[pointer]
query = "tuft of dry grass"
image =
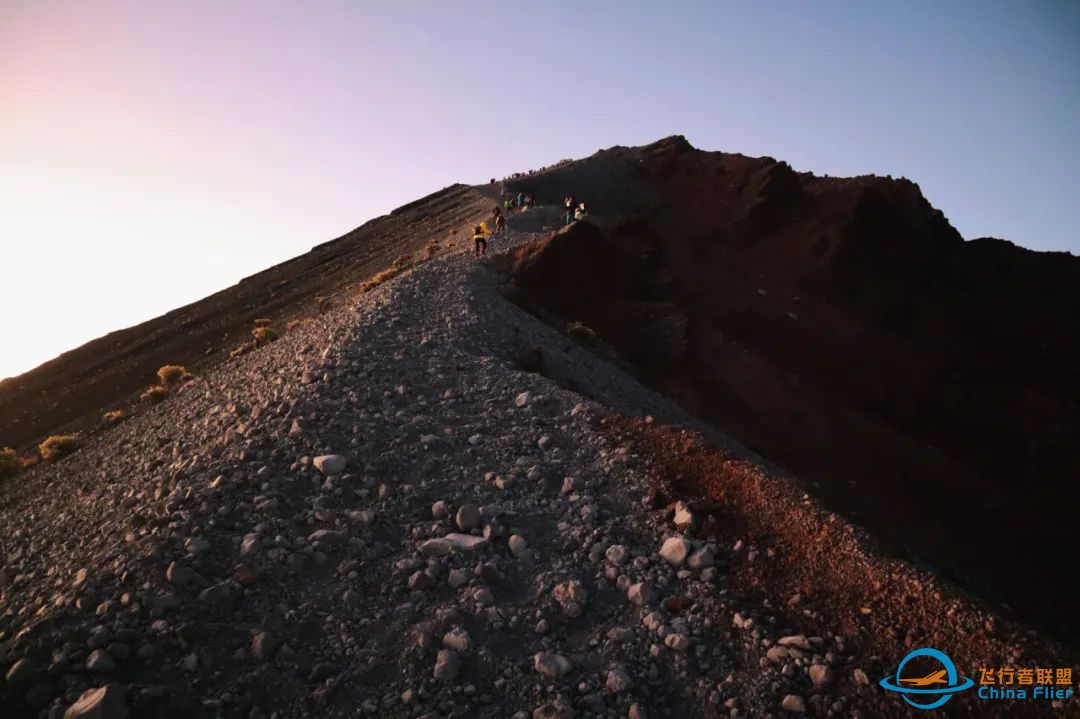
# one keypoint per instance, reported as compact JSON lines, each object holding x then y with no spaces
{"x":57,"y":446}
{"x":29,"y":461}
{"x":432,"y":248}
{"x":173,"y":375}
{"x":402,"y":262}
{"x":114,"y":416}
{"x":155,"y":393}
{"x":297,"y":323}
{"x":324,"y":304}
{"x":387,"y":274}
{"x":263,"y":335}
{"x":263,"y":322}
{"x":10,"y":465}
{"x":581,"y":332}
{"x":241,"y":350}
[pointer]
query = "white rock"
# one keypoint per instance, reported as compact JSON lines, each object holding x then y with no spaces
{"x":675,"y":549}
{"x":331,"y":464}
{"x":453,"y":542}
{"x":107,"y":702}
{"x":617,"y":554}
{"x":684,"y":518}
{"x":678,"y":642}
{"x":457,"y":639}
{"x":518,"y":545}
{"x":551,"y":665}
{"x":522,"y":400}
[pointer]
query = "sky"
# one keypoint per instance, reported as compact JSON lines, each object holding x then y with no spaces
{"x":153,"y":152}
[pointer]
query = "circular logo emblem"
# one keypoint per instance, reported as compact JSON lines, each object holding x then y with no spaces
{"x":942,"y":683}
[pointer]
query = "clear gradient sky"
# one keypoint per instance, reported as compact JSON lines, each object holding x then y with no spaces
{"x":152,"y":152}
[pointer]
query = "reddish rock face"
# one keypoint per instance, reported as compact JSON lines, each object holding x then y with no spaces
{"x":843,"y":329}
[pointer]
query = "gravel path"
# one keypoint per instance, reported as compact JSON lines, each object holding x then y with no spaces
{"x":380,"y":515}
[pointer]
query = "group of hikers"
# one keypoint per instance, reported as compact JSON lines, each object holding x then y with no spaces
{"x":521,"y":202}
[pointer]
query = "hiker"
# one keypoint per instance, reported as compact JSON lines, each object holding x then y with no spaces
{"x":521,"y":199}
{"x":580,"y":213}
{"x":500,"y":225}
{"x":508,"y":203}
{"x":480,"y":239}
{"x":569,"y":202}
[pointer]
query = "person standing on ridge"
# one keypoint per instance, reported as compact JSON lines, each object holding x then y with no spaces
{"x":569,"y":209}
{"x":480,"y":240}
{"x":500,"y":225}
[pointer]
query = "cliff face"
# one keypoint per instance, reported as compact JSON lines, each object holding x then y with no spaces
{"x":844,"y":329}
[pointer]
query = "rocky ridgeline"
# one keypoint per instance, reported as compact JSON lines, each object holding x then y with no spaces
{"x":379,"y":516}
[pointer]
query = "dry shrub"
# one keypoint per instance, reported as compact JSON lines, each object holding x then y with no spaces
{"x":155,"y":393}
{"x":242,"y":349}
{"x":263,"y":322}
{"x":324,"y":304}
{"x":173,"y":375}
{"x":387,"y":274}
{"x":29,"y":461}
{"x":114,"y":416}
{"x":264,"y":335}
{"x":402,"y":262}
{"x":9,"y":463}
{"x":581,"y":332}
{"x":297,"y":323}
{"x":432,"y":248}
{"x":58,"y":445}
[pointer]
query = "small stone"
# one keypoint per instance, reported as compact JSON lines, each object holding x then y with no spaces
{"x":551,"y":665}
{"x":641,"y":594}
{"x":329,"y":537}
{"x":439,"y":510}
{"x":458,"y":578}
{"x":517,"y":544}
{"x":107,"y":702}
{"x":618,"y":681}
{"x":678,"y":642}
{"x":620,"y":634}
{"x":702,"y":558}
{"x":453,"y":542}
{"x":544,"y":442}
{"x":793,"y":703}
{"x":637,"y":712}
{"x":468,"y":517}
{"x":420,"y":581}
{"x":447,"y":665}
{"x":178,"y":574}
{"x":572,"y":597}
{"x":797,"y":641}
{"x":674,"y":550}
{"x":820,"y":675}
{"x":331,"y":464}
{"x":190,"y":662}
{"x":100,"y":661}
{"x":249,"y":545}
{"x":457,"y":639}
{"x":684,"y":518}
{"x":263,"y":647}
{"x":617,"y":554}
{"x":217,"y":594}
{"x":860,"y":677}
{"x":522,"y":400}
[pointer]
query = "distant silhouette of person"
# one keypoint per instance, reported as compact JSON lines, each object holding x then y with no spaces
{"x":500,"y":225}
{"x":569,"y":202}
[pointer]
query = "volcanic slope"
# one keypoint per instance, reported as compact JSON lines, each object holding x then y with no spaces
{"x":71,"y":392}
{"x":383,"y":514}
{"x":927,"y":387}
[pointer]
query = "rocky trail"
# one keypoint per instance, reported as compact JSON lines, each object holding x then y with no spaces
{"x":386,"y":514}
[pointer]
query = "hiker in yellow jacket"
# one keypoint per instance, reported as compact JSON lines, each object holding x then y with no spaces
{"x":481,"y":233}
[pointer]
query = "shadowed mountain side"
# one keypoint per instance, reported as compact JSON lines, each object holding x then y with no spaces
{"x":842,"y":328}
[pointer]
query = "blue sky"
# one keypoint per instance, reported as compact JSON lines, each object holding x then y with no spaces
{"x":216,"y":139}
